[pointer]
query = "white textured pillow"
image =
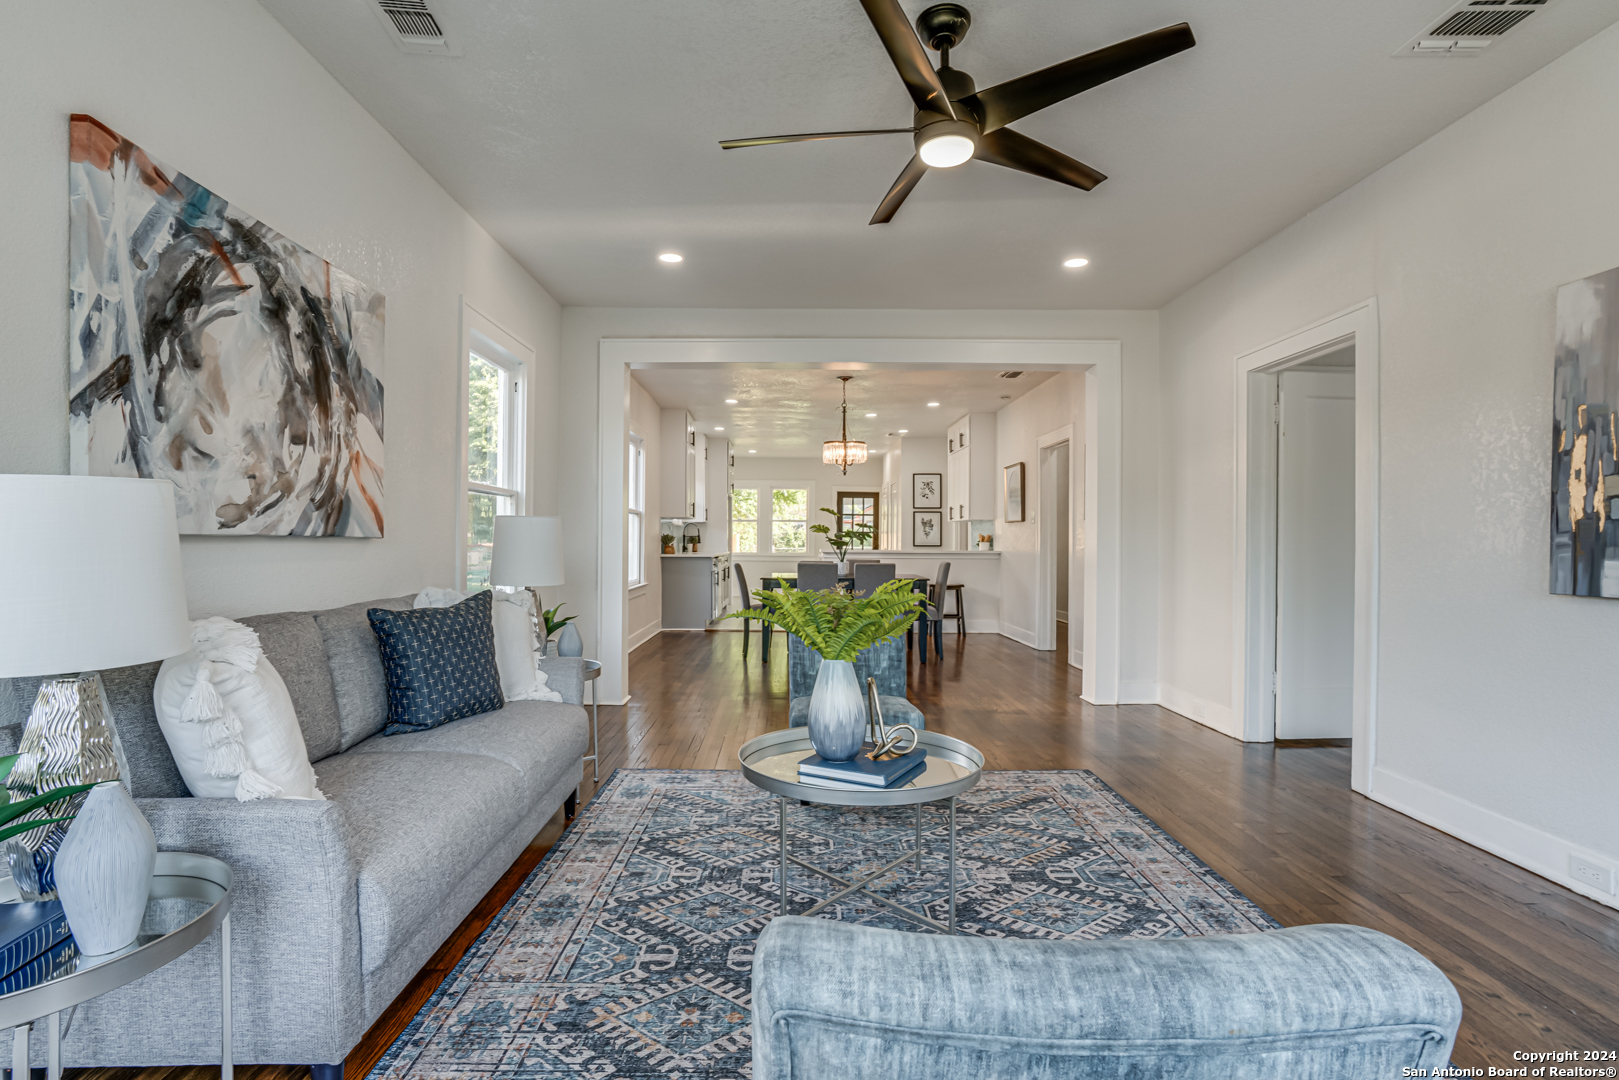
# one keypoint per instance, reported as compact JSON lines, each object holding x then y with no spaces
{"x":512,"y":614}
{"x":229,"y":721}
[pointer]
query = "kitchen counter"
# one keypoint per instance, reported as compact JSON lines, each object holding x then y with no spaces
{"x":696,"y":588}
{"x":694,"y":555}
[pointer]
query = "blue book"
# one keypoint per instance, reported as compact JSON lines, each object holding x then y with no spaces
{"x":899,"y":781}
{"x":27,"y":930}
{"x":862,"y":770}
{"x":59,"y":960}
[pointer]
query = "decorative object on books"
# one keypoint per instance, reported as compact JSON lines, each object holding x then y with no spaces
{"x":927,"y":491}
{"x":229,"y":721}
{"x":207,"y":349}
{"x":886,"y":742}
{"x":528,"y":555}
{"x":847,"y":536}
{"x":104,"y":870}
{"x":439,"y":663}
{"x":516,"y":647}
{"x":927,"y":528}
{"x":90,"y":569}
{"x":623,"y":969}
{"x":838,"y":625}
{"x":1013,"y":476}
{"x":1585,"y":400}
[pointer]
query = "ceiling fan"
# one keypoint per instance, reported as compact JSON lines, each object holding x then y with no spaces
{"x":956,"y":122}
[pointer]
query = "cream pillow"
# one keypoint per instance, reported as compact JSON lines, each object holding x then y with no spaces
{"x":512,"y":614}
{"x":229,"y":721}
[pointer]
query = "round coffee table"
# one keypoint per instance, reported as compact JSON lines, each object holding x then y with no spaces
{"x":771,"y":762}
{"x":202,"y":886}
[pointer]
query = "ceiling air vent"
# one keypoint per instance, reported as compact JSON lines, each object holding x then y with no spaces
{"x":1470,"y":27}
{"x":1009,"y":374}
{"x":414,"y":27}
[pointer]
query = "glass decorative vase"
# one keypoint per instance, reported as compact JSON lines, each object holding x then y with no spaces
{"x":837,"y":711}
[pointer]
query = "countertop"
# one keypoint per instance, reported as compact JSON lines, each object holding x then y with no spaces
{"x":696,"y":555}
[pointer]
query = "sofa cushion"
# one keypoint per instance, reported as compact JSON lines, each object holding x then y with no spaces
{"x":356,"y":667}
{"x":440,"y":663}
{"x":293,"y":644}
{"x":415,"y":823}
{"x":540,"y":739}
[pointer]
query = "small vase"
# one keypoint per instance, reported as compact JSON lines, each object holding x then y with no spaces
{"x":837,"y":711}
{"x":843,"y":568}
{"x":568,"y":642}
{"x":104,"y":870}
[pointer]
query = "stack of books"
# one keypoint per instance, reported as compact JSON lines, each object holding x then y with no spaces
{"x":36,"y":944}
{"x":862,"y":774}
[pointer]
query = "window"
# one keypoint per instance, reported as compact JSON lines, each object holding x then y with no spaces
{"x":745,"y":520}
{"x":858,"y":508}
{"x":789,"y":520}
{"x":635,"y":530}
{"x":494,"y":447}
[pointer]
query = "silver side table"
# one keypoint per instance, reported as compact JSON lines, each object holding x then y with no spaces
{"x":771,"y":762}
{"x":170,"y":930}
{"x":592,"y":671}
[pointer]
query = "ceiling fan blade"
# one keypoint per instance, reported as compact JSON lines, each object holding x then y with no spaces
{"x":1013,"y":151}
{"x":770,"y":140}
{"x":1007,"y":101}
{"x":905,"y":50}
{"x":902,"y":187}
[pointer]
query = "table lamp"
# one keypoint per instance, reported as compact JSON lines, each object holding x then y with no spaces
{"x":528,"y":555}
{"x":90,"y":572}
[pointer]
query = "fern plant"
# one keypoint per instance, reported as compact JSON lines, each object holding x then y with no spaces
{"x":835,"y":623}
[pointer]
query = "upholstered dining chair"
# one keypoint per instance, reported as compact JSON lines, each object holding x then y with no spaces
{"x":814,"y":576}
{"x":869,"y":575}
{"x":938,"y":589}
{"x":747,"y":605}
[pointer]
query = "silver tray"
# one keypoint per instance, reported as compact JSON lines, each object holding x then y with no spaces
{"x":771,"y":762}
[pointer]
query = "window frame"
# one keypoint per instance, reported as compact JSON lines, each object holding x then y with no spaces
{"x":809,"y":508}
{"x":876,"y":498}
{"x":485,"y":340}
{"x":635,"y":512}
{"x":758,"y":504}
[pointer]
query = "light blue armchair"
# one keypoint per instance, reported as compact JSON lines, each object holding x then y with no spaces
{"x":884,"y":662}
{"x":834,"y":1001}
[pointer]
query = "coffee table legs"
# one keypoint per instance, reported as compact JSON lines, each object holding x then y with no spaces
{"x":781,"y":809}
{"x":952,"y":864}
{"x":919,"y":837}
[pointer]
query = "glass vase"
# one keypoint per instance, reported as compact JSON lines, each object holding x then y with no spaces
{"x":837,"y":711}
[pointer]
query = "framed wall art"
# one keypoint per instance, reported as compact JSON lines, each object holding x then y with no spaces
{"x":927,"y":528}
{"x":1585,"y":401}
{"x":927,"y":490}
{"x":1014,"y":492}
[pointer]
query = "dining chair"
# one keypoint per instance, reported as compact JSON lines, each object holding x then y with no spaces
{"x":747,"y":605}
{"x":938,"y":589}
{"x":813,"y":576}
{"x":869,"y":575}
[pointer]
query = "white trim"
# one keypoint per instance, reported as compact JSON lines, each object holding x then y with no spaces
{"x":645,"y":634}
{"x":1102,"y":362}
{"x":1253,"y":632}
{"x":517,"y":356}
{"x":1209,"y":713}
{"x":1045,"y":564}
{"x":1531,"y":848}
{"x":1018,"y":634}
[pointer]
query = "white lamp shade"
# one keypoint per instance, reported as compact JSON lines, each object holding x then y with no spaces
{"x":89,"y":574}
{"x":528,"y":552}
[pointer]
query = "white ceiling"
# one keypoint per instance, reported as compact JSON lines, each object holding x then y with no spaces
{"x":583,"y":136}
{"x":788,"y":411}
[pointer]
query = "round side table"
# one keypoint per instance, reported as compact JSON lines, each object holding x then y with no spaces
{"x":203,"y":884}
{"x":592,"y":671}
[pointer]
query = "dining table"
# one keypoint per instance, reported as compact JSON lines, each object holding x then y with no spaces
{"x":919,"y":583}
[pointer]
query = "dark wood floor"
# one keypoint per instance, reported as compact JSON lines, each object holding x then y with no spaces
{"x":1537,"y":966}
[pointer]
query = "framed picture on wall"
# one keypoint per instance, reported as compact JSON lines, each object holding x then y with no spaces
{"x":1014,"y":492}
{"x":927,"y":490}
{"x":927,"y":528}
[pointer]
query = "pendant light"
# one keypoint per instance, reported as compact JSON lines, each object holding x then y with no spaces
{"x":841,"y":452}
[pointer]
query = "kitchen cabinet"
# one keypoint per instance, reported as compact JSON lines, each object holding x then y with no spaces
{"x":678,"y":464}
{"x":696,"y":590}
{"x":970,"y":483}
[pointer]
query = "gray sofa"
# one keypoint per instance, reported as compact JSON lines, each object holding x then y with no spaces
{"x":337,"y":904}
{"x":834,"y":1001}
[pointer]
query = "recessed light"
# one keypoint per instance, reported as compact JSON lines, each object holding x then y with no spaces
{"x":933,"y":404}
{"x":671,"y":257}
{"x":904,"y":431}
{"x":870,"y":415}
{"x":1075,"y":264}
{"x":753,"y":451}
{"x":730,"y":401}
{"x":719,"y":429}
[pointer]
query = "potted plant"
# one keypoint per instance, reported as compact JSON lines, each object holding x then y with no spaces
{"x":668,"y":543}
{"x":845,"y":538}
{"x":838,"y":625}
{"x":567,"y":637}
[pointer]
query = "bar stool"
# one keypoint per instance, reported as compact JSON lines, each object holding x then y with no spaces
{"x":960,"y":614}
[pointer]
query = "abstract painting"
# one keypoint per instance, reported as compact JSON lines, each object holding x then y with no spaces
{"x":1585,"y":458}
{"x":927,"y":528}
{"x":1014,"y":492}
{"x":211,"y":351}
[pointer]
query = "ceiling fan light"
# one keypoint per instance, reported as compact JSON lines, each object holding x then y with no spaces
{"x":945,"y":144}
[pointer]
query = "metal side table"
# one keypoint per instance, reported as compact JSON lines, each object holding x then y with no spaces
{"x":771,"y":762}
{"x":592,"y":671}
{"x":204,"y":884}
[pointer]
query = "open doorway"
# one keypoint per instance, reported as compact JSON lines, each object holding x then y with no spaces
{"x":1052,"y":580}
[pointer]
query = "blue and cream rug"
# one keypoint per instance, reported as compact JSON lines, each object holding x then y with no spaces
{"x":627,"y":951}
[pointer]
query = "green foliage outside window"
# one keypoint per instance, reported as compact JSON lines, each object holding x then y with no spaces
{"x":483,"y":422}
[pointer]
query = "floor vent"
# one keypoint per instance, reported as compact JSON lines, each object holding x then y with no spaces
{"x":414,"y":28}
{"x":1471,"y":27}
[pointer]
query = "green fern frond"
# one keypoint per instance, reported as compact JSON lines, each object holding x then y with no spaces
{"x":834,"y":623}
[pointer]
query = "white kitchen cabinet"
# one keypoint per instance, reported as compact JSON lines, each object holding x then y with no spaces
{"x":970,"y":483}
{"x":678,"y":464}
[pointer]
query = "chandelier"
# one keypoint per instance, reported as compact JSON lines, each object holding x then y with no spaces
{"x":841,"y":452}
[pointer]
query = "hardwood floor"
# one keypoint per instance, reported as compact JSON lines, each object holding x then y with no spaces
{"x":1536,"y":965}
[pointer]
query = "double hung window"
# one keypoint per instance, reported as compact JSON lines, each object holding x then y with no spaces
{"x":635,"y":527}
{"x":495,"y":450}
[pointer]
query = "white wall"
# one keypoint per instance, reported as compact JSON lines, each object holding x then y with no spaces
{"x":218,"y":90}
{"x":644,"y":418}
{"x":923,"y":455}
{"x":1495,"y":700}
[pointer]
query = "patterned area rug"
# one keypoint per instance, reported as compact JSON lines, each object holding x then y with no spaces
{"x":627,"y":951}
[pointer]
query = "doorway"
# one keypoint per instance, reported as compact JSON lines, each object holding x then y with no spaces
{"x":1059,"y":590}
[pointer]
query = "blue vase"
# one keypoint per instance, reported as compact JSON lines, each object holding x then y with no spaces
{"x":837,"y":711}
{"x":569,"y":643}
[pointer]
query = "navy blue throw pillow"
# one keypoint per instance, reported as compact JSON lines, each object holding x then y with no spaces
{"x":439,"y":662}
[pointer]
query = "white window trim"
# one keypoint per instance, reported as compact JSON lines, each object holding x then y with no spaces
{"x":730,"y":534}
{"x":483,"y":336}
{"x":635,"y":461}
{"x":767,"y":518}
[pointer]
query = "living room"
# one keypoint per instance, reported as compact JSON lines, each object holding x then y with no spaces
{"x":1291,"y":186}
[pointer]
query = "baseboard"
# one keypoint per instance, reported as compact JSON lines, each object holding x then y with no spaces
{"x":1533,"y":849}
{"x":1018,"y":634}
{"x":645,"y":634}
{"x":1138,"y":692}
{"x":1207,"y":713}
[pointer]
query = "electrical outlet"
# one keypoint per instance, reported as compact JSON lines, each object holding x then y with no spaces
{"x":1586,"y":872}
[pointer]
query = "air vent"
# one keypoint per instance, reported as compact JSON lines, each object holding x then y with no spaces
{"x":1010,"y":374}
{"x":1470,"y":27}
{"x":414,"y":27}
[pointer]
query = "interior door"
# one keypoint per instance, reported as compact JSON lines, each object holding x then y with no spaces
{"x":1315,"y":555}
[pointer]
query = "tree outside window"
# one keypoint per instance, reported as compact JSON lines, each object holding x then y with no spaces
{"x":789,"y":520}
{"x":745,"y":520}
